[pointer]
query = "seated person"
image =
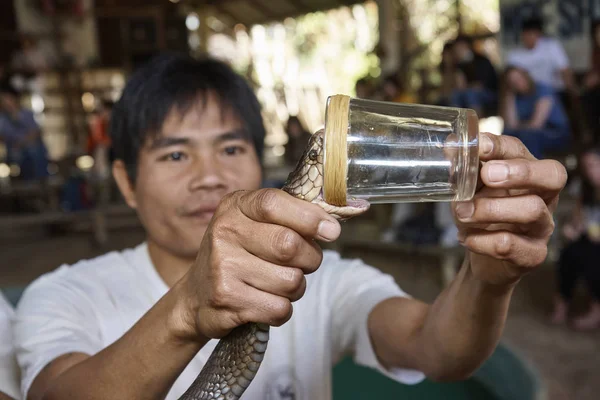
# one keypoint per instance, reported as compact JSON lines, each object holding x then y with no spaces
{"x":579,"y":259}
{"x":533,"y":113}
{"x":478,"y":84}
{"x":221,"y":252}
{"x":22,"y":136}
{"x":9,"y":370}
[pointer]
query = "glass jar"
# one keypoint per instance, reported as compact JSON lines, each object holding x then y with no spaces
{"x":394,"y":152}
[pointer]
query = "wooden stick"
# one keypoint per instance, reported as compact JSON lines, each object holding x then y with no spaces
{"x":335,"y":162}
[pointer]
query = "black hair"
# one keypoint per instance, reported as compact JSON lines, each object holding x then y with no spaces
{"x":7,"y":87}
{"x":173,"y":81}
{"x":463,"y":38}
{"x":534,"y":23}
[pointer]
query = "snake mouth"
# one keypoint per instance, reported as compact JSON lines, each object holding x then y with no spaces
{"x":353,"y":207}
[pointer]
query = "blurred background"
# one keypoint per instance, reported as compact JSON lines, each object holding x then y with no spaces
{"x":63,"y":63}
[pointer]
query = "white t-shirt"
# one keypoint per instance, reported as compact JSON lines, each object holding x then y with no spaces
{"x":9,"y":371}
{"x":87,"y":306}
{"x":544,"y":62}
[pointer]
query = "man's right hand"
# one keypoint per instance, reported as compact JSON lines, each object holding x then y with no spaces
{"x":252,"y":262}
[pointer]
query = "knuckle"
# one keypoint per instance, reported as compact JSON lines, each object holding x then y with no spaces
{"x":286,"y":244}
{"x":540,"y":256}
{"x":521,"y":170}
{"x":222,"y":294}
{"x":281,"y":312}
{"x":313,"y":266}
{"x":561,"y":174}
{"x":267,"y":204}
{"x":294,"y":281}
{"x":504,"y":244}
{"x":489,"y":208}
{"x":537,"y":208}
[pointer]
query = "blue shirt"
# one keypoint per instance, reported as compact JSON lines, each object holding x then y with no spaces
{"x":12,"y":130}
{"x":525,"y":106}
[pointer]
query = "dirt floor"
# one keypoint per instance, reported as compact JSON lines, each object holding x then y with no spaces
{"x":567,"y":361}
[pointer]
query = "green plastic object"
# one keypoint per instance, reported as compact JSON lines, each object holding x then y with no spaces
{"x":504,"y":376}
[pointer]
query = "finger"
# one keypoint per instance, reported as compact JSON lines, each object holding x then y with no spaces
{"x":499,"y":147}
{"x":545,"y":175}
{"x":508,"y":246}
{"x":279,"y":245}
{"x":278,"y":207}
{"x":530,"y":211}
{"x":262,"y":307}
{"x":281,"y":281}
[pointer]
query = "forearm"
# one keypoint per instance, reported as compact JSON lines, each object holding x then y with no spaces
{"x":4,"y":396}
{"x":463,"y":326}
{"x":510,"y":115}
{"x":143,"y":364}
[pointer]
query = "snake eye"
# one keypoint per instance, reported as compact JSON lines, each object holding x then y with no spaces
{"x":313,"y":155}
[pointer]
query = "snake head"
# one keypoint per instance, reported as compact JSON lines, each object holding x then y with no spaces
{"x":306,"y":181}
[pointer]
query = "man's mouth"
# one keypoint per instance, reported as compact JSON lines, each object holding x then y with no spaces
{"x":201,"y":214}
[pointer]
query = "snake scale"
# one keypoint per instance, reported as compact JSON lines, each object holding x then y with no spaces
{"x":237,"y":357}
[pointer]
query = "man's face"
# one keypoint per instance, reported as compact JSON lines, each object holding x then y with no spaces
{"x":8,"y":102}
{"x":517,"y":81}
{"x":460,"y":50}
{"x":530,"y":38}
{"x":186,"y":170}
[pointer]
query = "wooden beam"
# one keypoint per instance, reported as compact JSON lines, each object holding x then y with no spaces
{"x":262,"y":9}
{"x":300,"y":6}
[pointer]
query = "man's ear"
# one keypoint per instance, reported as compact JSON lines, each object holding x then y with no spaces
{"x":119,"y":171}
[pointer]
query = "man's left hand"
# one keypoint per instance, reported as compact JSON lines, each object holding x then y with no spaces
{"x":507,"y":225}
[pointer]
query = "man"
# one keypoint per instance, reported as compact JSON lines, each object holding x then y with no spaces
{"x":9,"y":370}
{"x":478,"y":86}
{"x":22,"y":136}
{"x":221,"y":252}
{"x":543,"y":57}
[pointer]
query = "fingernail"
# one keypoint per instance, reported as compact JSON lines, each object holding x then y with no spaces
{"x":465,"y":210}
{"x":328,"y":230}
{"x":498,"y":172}
{"x":461,"y":237}
{"x":486,"y":144}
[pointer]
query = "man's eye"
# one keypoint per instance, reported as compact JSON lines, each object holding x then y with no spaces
{"x":174,"y":156}
{"x":233,"y":150}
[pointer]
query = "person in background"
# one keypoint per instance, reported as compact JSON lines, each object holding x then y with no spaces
{"x":544,"y":58}
{"x":22,"y":136}
{"x":477,"y":87}
{"x":393,"y":90}
{"x":298,"y":138}
{"x":363,"y":88}
{"x":579,"y":259}
{"x":450,"y":75}
{"x":99,"y":143}
{"x":590,"y":96}
{"x":533,"y":113}
{"x":9,"y":370}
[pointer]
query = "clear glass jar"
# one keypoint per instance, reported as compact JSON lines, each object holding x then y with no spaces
{"x":406,"y":152}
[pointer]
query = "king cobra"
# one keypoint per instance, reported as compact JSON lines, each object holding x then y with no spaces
{"x":237,"y":357}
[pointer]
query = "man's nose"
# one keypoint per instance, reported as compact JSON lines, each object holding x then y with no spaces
{"x":207,"y":174}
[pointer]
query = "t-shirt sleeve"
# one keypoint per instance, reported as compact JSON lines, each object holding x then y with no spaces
{"x":357,"y":289}
{"x":559,"y":55}
{"x":54,"y":317}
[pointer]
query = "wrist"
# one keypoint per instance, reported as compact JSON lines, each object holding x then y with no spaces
{"x":181,"y":321}
{"x":495,"y":287}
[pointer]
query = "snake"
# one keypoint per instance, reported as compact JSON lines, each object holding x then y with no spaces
{"x":235,"y":361}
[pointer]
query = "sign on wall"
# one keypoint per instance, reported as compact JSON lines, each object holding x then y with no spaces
{"x":567,"y":20}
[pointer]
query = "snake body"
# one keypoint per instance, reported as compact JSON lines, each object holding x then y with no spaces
{"x":237,"y":357}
